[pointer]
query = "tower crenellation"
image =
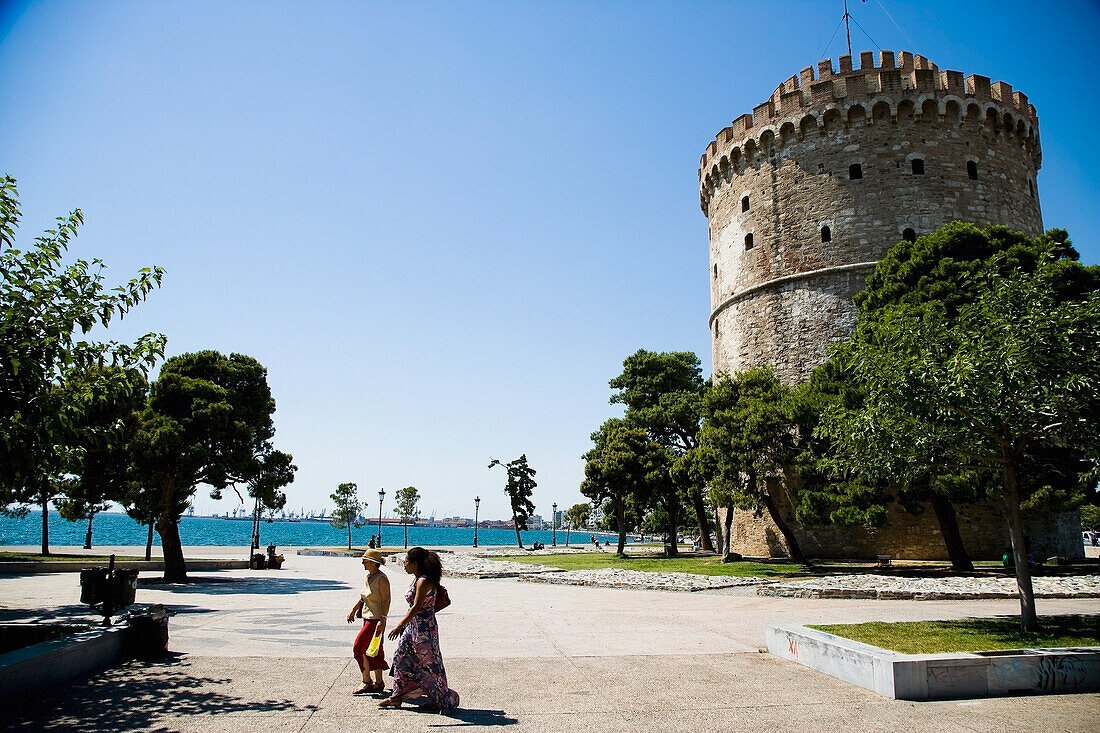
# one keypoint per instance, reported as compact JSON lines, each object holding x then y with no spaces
{"x":803,"y":197}
{"x":805,"y":194}
{"x":904,"y":77}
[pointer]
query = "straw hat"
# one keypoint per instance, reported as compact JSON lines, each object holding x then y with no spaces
{"x":375,"y":557}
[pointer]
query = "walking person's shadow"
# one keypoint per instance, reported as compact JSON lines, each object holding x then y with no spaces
{"x":471,"y":716}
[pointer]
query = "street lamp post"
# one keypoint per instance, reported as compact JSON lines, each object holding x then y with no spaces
{"x":381,"y":496}
{"x":554,"y":524}
{"x":477,"y":504}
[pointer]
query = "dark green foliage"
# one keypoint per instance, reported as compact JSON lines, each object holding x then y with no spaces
{"x":1090,"y":517}
{"x":747,"y":443}
{"x":1001,"y":377}
{"x":828,"y":494}
{"x":663,"y":395}
{"x":519,"y":488}
{"x":629,"y":471}
{"x":944,"y":267}
{"x":407,"y":499}
{"x":348,"y":508}
{"x":270,"y":471}
{"x":105,"y":409}
{"x":207,"y":421}
{"x":46,"y":306}
{"x":577,"y":515}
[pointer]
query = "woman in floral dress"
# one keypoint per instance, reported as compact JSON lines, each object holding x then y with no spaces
{"x":417,"y":664}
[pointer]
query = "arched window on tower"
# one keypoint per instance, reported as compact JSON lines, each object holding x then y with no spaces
{"x":744,"y":203}
{"x":972,"y":170}
{"x":826,"y":234}
{"x":909,"y":235}
{"x":748,"y":241}
{"x":855,"y":172}
{"x":918,"y":166}
{"x":1031,"y":188}
{"x":716,"y":272}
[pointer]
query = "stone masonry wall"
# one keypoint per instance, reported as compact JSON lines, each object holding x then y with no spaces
{"x":782,"y":177}
{"x":796,"y":227}
{"x":909,"y":536}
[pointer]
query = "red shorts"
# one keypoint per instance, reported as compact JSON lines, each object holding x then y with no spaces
{"x":362,"y":641}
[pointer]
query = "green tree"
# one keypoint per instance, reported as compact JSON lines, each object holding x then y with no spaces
{"x":271,"y":470}
{"x":663,"y":395}
{"x":748,"y":442}
{"x":521,"y":484}
{"x":99,"y":438}
{"x":348,"y":508}
{"x":407,"y":499}
{"x":987,"y":384}
{"x":722,"y":488}
{"x":207,"y":418}
{"x":624,"y":471}
{"x":1090,"y":517}
{"x":577,"y":515}
{"x":141,"y":502}
{"x":46,"y":306}
{"x":942,"y":269}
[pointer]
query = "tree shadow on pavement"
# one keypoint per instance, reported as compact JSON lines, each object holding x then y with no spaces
{"x":72,"y":613}
{"x":77,"y":613}
{"x":149,"y":696}
{"x":266,"y":585}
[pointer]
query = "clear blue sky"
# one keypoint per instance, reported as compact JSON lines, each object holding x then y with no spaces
{"x":442,"y":226}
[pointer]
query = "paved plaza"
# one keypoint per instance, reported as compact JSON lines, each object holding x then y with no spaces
{"x":270,"y":651}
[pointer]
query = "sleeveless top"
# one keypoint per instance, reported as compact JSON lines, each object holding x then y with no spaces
{"x":429,"y":599}
{"x":372,"y":598}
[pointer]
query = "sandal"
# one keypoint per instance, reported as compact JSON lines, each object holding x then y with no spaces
{"x":395,"y":702}
{"x":370,"y":688}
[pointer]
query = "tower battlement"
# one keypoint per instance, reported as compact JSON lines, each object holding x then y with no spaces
{"x":803,"y":197}
{"x":900,"y":87}
{"x":805,"y":194}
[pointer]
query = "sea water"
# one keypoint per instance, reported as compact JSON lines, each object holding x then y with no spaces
{"x":120,"y":529}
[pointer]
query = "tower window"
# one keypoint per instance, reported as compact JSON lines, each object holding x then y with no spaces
{"x":918,"y":167}
{"x":972,"y":170}
{"x":909,"y":235}
{"x":745,"y":203}
{"x":716,"y":272}
{"x":855,"y":172}
{"x":748,"y":241}
{"x":1031,"y":189}
{"x":826,"y":234}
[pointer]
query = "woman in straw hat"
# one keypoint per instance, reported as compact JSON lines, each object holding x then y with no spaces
{"x":373,"y":607}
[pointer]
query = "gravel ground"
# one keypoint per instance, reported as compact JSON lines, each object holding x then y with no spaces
{"x":889,"y":587}
{"x":468,"y":565}
{"x":637,"y":579}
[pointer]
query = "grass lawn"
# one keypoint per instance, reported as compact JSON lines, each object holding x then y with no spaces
{"x":697,"y":564}
{"x":971,"y":634}
{"x":58,"y":557}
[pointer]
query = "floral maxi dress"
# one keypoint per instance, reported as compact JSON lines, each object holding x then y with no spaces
{"x":417,"y":661}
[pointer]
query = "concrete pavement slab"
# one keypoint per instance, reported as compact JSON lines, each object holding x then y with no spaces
{"x":270,"y":650}
{"x":748,"y":691}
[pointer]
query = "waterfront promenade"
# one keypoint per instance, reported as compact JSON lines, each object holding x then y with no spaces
{"x":270,"y":651}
